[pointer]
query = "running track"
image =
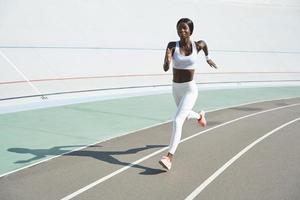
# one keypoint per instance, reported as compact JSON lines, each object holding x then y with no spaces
{"x":245,"y":152}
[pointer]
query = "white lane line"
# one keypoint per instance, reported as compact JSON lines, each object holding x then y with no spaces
{"x":91,"y":185}
{"x":74,"y":194}
{"x":210,"y":179}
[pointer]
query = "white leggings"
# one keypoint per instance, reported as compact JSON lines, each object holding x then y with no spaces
{"x":185,"y":95}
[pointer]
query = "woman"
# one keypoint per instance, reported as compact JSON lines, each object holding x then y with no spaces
{"x":183,"y":56}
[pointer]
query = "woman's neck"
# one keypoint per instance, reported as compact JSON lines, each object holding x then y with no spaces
{"x":185,"y":42}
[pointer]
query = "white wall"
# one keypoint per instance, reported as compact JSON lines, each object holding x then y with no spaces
{"x":72,"y":45}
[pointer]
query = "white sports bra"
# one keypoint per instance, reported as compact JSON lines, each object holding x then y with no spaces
{"x":184,"y":62}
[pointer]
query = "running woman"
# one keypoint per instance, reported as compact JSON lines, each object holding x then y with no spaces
{"x":182,"y":54}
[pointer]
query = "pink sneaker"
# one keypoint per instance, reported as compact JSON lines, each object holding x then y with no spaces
{"x":165,"y":162}
{"x":202,"y":120}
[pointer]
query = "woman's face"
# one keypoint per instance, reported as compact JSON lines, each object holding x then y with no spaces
{"x":183,"y":30}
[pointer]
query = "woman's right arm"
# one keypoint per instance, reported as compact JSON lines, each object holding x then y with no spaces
{"x":168,"y":56}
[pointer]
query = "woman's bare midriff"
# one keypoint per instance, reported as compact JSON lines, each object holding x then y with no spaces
{"x":183,"y":75}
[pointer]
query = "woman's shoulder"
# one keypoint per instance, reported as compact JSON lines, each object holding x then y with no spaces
{"x":200,"y":44}
{"x":172,"y":44}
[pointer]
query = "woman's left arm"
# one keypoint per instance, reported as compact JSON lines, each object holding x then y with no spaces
{"x":201,"y":45}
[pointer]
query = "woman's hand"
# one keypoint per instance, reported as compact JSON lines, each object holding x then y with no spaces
{"x":211,"y":63}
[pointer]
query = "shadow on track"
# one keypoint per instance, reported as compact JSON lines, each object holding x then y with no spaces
{"x":105,"y":156}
